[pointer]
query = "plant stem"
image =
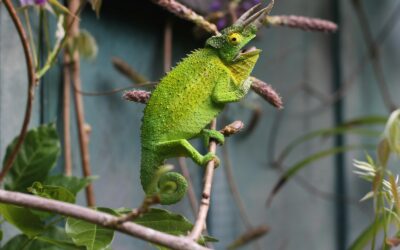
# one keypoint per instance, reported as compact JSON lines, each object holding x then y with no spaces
{"x":191,"y":194}
{"x":186,"y":13}
{"x":144,"y":208}
{"x":206,"y":195}
{"x":31,"y":38}
{"x":67,"y":116}
{"x":31,"y":88}
{"x":98,"y":218}
{"x":74,"y":6}
{"x":167,"y":45}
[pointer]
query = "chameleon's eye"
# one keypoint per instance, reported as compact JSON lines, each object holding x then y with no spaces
{"x":235,"y":38}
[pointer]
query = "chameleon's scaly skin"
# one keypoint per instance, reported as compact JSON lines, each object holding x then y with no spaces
{"x":186,"y":100}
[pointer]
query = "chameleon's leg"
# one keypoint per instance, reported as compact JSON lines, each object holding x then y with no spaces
{"x":228,"y":91}
{"x":183,"y":148}
{"x":208,"y":134}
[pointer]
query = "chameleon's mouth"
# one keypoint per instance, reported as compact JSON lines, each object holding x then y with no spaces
{"x":250,"y":51}
{"x":247,"y":53}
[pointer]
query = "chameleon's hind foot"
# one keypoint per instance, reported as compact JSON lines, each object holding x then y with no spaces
{"x":211,"y":157}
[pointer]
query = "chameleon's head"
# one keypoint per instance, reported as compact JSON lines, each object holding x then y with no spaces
{"x":231,"y":41}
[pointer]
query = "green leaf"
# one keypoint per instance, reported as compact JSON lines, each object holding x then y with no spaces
{"x":86,"y":45}
{"x":168,"y":222}
{"x":347,"y":127}
{"x":368,"y":234}
{"x":72,"y":183}
{"x":165,"y":221}
{"x":37,"y":156}
{"x":59,"y":6}
{"x":392,"y":132}
{"x":92,"y":236}
{"x":52,"y":192}
{"x":23,"y":219}
{"x":56,"y":236}
{"x":21,"y":241}
{"x":294,"y":169}
{"x":54,"y":241}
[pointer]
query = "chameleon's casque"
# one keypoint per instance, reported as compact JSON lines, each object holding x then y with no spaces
{"x":190,"y":96}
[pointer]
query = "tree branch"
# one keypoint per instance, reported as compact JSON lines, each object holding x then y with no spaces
{"x":98,"y":218}
{"x":31,"y":88}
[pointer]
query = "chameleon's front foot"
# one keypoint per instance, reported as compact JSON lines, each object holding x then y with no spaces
{"x":211,"y":157}
{"x":212,"y":134}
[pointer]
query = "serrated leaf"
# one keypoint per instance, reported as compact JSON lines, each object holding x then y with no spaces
{"x":37,"y":156}
{"x":92,"y":236}
{"x":86,"y":45}
{"x":23,"y":219}
{"x":72,"y":183}
{"x":52,"y":192}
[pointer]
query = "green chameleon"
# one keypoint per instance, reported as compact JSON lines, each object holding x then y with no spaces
{"x":190,"y":96}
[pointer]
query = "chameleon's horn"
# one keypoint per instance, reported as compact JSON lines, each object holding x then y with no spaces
{"x":259,"y":17}
{"x":247,"y":14}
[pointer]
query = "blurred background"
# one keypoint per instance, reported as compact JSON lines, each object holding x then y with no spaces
{"x":324,"y":80}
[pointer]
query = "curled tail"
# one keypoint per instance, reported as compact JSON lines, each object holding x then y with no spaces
{"x":171,"y":186}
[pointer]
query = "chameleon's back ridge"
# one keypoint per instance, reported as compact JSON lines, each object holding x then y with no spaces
{"x":189,"y":97}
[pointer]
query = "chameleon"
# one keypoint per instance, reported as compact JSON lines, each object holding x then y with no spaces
{"x":190,"y":96}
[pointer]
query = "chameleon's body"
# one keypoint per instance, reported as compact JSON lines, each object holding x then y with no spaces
{"x":187,"y":99}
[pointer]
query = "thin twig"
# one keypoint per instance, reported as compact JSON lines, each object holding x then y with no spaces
{"x":79,"y":109}
{"x":31,"y":88}
{"x":249,"y":236}
{"x":373,"y":50}
{"x":191,"y":193}
{"x":302,"y":22}
{"x":186,"y":13}
{"x":236,"y":196}
{"x":98,"y":218}
{"x":124,"y":68}
{"x":167,"y":45}
{"x":144,"y":208}
{"x":67,"y":116}
{"x":113,"y":91}
{"x":234,"y":189}
{"x":206,"y":195}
